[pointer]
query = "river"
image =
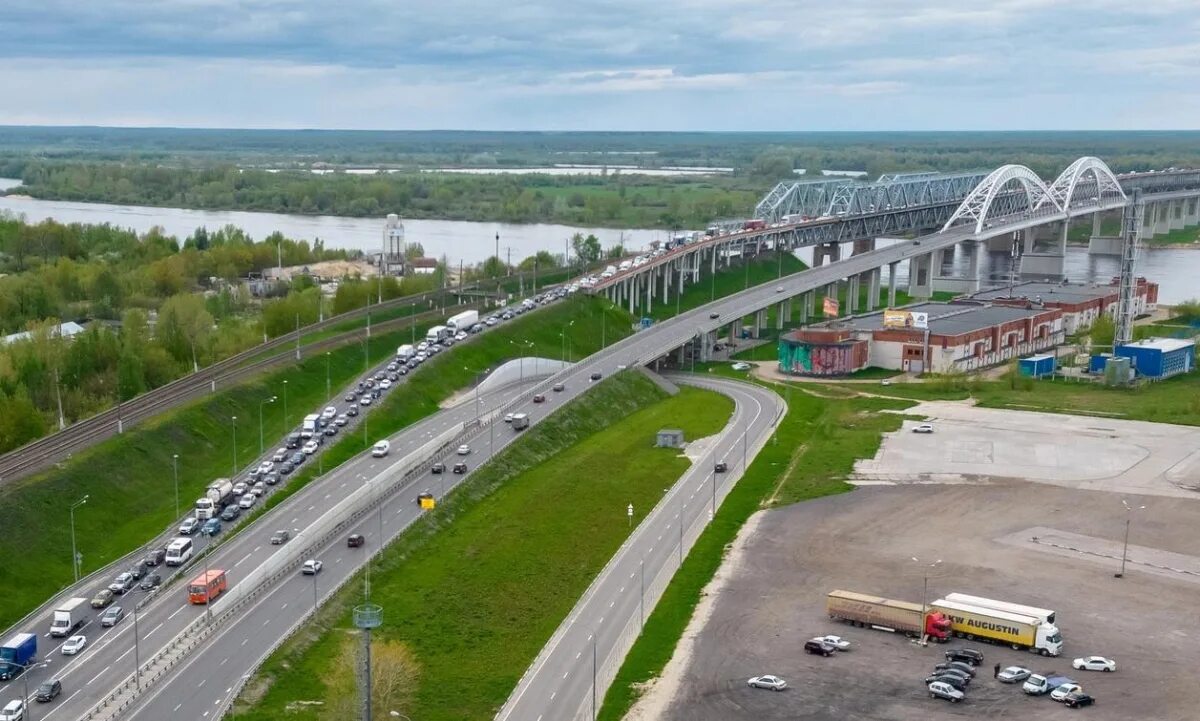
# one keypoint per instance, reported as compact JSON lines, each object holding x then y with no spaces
{"x":1174,"y":269}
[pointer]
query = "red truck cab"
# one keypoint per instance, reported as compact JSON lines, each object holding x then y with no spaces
{"x":937,"y":626}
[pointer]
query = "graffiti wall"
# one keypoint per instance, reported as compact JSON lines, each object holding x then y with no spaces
{"x":821,"y":359}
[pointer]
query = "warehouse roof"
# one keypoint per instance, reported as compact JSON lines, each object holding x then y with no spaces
{"x":944,"y":318}
{"x":1166,"y":345}
{"x":1049,"y":292}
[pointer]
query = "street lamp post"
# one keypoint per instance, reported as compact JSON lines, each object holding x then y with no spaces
{"x":261,"y":405}
{"x":925,"y":591}
{"x":175,"y":470}
{"x":1125,"y":548}
{"x":234,"y":445}
{"x":74,"y":552}
{"x":328,"y":391}
{"x":285,"y":413}
{"x":137,"y":661}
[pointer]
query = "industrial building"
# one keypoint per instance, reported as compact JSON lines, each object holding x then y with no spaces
{"x":1080,"y":304}
{"x":1159,"y":358}
{"x":941,"y":337}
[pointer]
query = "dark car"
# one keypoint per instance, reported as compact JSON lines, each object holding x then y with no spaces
{"x":969,"y":655}
{"x":376,"y":393}
{"x":424,"y":496}
{"x":720,"y":467}
{"x":352,"y":411}
{"x":298,"y":457}
{"x":331,"y":431}
{"x":963,"y":666}
{"x":271,"y":478}
{"x":817,"y":647}
{"x":957,"y":673}
{"x":954,"y":680}
{"x":539,"y":398}
{"x":355,"y":540}
{"x":231,"y":512}
{"x":460,"y":467}
{"x":137,"y":571}
{"x":438,"y":467}
{"x":294,"y":440}
{"x":714,"y":316}
{"x":1078,"y":699}
{"x":211,"y":527}
{"x":280,"y":537}
{"x":286,"y":467}
{"x":351,"y":397}
{"x":596,"y":376}
{"x":394,"y":376}
{"x":152,"y":581}
{"x":155,"y":557}
{"x":48,"y":691}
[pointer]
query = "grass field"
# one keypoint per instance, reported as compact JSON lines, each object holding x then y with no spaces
{"x":814,"y":448}
{"x":728,"y":281}
{"x":480,"y":596}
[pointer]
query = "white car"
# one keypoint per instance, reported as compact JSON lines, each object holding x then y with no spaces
{"x":774,"y":683}
{"x":329,"y":412}
{"x":74,"y":645}
{"x":266,"y":467}
{"x":247,"y":500}
{"x":310,"y":448}
{"x":460,"y":336}
{"x":923,"y":428}
{"x":1094,"y":663}
{"x":508,"y":417}
{"x":13,"y":711}
{"x":280,"y":455}
{"x":311,"y":567}
{"x":741,"y":366}
{"x":385,"y":383}
{"x":1060,"y":694}
{"x":1013,"y":674}
{"x":464,"y":450}
{"x":837,"y":642}
{"x":941,"y":689}
{"x":365,"y":401}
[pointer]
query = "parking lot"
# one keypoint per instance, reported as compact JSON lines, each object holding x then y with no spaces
{"x":773,"y":599}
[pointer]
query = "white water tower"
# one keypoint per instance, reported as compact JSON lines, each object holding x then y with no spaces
{"x":392,"y":258}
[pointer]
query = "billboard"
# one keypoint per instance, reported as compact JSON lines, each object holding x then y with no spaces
{"x":905,"y":319}
{"x":830,"y":307}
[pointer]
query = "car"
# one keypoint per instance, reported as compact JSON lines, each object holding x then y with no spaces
{"x":259,"y":489}
{"x":1078,"y":699}
{"x":1094,"y":663}
{"x":341,"y":420}
{"x":741,"y":366}
{"x":286,"y":468}
{"x":280,"y":537}
{"x":247,"y":501}
{"x":1060,"y":694}
{"x":74,"y":645}
{"x":774,"y":683}
{"x":350,"y":397}
{"x":508,"y":417}
{"x":460,"y":468}
{"x":1013,"y":674}
{"x":539,"y":398}
{"x":966,"y":678}
{"x":297,"y":458}
{"x":211,"y":527}
{"x":941,"y":689}
{"x":253,"y":474}
{"x":13,"y":711}
{"x":837,"y":642}
{"x":460,"y":336}
{"x":779,"y":289}
{"x":714,"y":316}
{"x":328,"y":412}
{"x":954,"y":680}
{"x":231,"y":513}
{"x":293,"y":440}
{"x":190,"y":525}
{"x":720,"y":467}
{"x":365,"y":401}
{"x":266,"y":467}
{"x":463,"y":450}
{"x":352,"y":411}
{"x":331,"y":431}
{"x":271,"y":478}
{"x":819,"y":648}
{"x":969,"y":655}
{"x":558,"y":388}
{"x":376,"y":394}
{"x":112,"y":616}
{"x":48,"y":690}
{"x":963,"y":666}
{"x":596,"y":376}
{"x":423,"y":496}
{"x":391,"y":366}
{"x":311,"y":567}
{"x":385,"y":383}
{"x":403,"y":370}
{"x":280,"y":455}
{"x":155,"y":557}
{"x":121,"y":583}
{"x":885,"y":382}
{"x":240,"y":488}
{"x":311,"y":447}
{"x":923,"y":428}
{"x":438,"y":467}
{"x":151,"y":581}
{"x":355,"y":540}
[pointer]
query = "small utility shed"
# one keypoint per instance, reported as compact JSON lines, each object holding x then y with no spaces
{"x":669,"y":438}
{"x":1159,"y":357}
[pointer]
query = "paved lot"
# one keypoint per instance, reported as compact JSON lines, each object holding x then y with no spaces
{"x":774,"y":599}
{"x":972,"y":445}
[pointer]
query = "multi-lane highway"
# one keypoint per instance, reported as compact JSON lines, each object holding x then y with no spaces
{"x":591,"y":643}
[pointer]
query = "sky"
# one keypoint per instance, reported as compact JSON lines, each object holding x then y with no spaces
{"x":603,"y":64}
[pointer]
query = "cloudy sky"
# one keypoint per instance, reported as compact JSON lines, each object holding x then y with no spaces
{"x":603,"y":64}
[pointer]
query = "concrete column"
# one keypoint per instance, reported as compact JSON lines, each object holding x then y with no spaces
{"x":810,"y":303}
{"x":892,"y":284}
{"x":631,"y":292}
{"x":779,"y":315}
{"x":1175,"y":214}
{"x":1162,"y":218}
{"x":920,"y":276}
{"x":682,"y":357}
{"x":851,"y":295}
{"x":873,"y":289}
{"x":1029,"y":241}
{"x":760,"y":322}
{"x":734,"y":328}
{"x":1095,"y":224}
{"x":649,"y":281}
{"x":1193,"y":212}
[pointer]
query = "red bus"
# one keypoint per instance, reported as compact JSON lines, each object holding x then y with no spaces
{"x":207,"y":586}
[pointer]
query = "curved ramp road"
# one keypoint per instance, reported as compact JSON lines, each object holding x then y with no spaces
{"x":576,"y":666}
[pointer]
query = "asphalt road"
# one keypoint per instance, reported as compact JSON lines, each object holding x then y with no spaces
{"x":597,"y":633}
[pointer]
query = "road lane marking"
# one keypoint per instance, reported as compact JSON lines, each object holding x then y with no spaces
{"x":284,"y":606}
{"x":224,"y":660}
{"x":89,"y":683}
{"x":177,"y":707}
{"x":153,"y":630}
{"x":244,"y":559}
{"x":173,"y":615}
{"x":313,"y":506}
{"x":244,"y":640}
{"x":202,"y":681}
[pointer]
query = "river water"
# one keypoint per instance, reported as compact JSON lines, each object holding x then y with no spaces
{"x":1175,"y":270}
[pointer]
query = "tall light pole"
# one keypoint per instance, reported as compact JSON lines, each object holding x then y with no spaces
{"x":925,"y":590}
{"x":74,"y":552}
{"x":234,"y":445}
{"x":261,"y":446}
{"x":1125,"y":548}
{"x":328,"y":391}
{"x":137,"y":661}
{"x":285,"y":413}
{"x":175,"y":470}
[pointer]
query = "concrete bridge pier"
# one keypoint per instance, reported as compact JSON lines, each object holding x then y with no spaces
{"x":852,"y":290}
{"x":826,"y":253}
{"x":760,"y":322}
{"x":1048,"y":263}
{"x":780,"y":313}
{"x":1175,"y":214}
{"x":972,"y":281}
{"x":920,"y":276}
{"x":892,"y":284}
{"x":1162,"y":218}
{"x":873,"y":289}
{"x":1000,"y":243}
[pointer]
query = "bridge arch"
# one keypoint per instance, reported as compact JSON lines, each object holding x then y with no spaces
{"x":1088,"y":174}
{"x":1008,"y":188}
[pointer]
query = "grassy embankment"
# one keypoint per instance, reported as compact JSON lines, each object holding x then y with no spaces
{"x":129,"y":479}
{"x":475,"y":600}
{"x":814,"y":449}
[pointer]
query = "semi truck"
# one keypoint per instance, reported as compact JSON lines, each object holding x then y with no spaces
{"x":461,"y":322}
{"x":68,"y":617}
{"x":1044,"y":615}
{"x":208,"y":505}
{"x":405,"y":353}
{"x":17,"y":655}
{"x":1003,"y":627}
{"x":887,"y":614}
{"x":436,"y":334}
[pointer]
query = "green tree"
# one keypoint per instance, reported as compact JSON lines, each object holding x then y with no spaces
{"x":184,"y":326}
{"x":414,"y":250}
{"x":131,"y":378}
{"x":543,"y":260}
{"x":1102,"y":331}
{"x":587,"y":249}
{"x":20,"y":421}
{"x":493,"y":267}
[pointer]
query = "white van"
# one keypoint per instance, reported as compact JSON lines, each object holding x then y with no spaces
{"x":381,"y":449}
{"x":179,"y":551}
{"x":205,"y":508}
{"x":308,"y":429}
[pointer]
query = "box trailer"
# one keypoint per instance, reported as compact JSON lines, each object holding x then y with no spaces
{"x":460,"y":322}
{"x":68,"y":617}
{"x":1045,"y":615}
{"x":886,"y":614}
{"x":1003,"y":627}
